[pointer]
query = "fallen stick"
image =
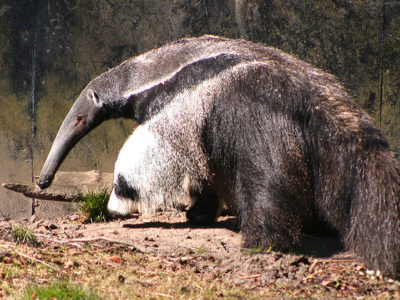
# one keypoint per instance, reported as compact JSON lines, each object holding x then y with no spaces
{"x":29,"y":257}
{"x":333,"y":260}
{"x":67,"y":186}
{"x":102,"y":238}
{"x":250,"y":276}
{"x":37,"y":260}
{"x":164,"y":295}
{"x":31,"y":191}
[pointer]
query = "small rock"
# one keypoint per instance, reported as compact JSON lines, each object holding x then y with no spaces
{"x":74,"y":217}
{"x":53,"y":226}
{"x":184,"y":259}
{"x":43,"y":228}
{"x":277,"y":256}
{"x":296,"y":260}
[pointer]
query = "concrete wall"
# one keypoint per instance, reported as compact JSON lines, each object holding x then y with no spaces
{"x":49,"y":50}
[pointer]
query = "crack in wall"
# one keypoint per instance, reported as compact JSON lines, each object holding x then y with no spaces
{"x":239,"y":18}
{"x":37,"y":44}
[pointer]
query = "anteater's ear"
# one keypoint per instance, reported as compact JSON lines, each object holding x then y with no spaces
{"x":93,"y":96}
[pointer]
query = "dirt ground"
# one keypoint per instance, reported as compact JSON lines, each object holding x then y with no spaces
{"x":319,"y":269}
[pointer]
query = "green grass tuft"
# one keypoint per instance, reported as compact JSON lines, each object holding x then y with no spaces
{"x":59,"y":291}
{"x":201,"y":250}
{"x":94,"y":205}
{"x":258,"y":249}
{"x":22,"y":235}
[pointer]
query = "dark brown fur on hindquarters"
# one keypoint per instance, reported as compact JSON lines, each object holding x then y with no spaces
{"x":314,"y":153}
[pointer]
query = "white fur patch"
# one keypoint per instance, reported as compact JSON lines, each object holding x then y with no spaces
{"x":121,"y":206}
{"x":148,"y":166}
{"x":163,"y":159}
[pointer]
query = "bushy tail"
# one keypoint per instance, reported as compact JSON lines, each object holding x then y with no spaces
{"x":373,"y":227}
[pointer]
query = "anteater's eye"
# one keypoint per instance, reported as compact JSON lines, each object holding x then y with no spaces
{"x":80,"y":119}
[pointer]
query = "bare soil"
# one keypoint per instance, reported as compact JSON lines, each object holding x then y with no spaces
{"x":318,"y":269}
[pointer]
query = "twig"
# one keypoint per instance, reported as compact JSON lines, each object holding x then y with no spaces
{"x":37,"y":260}
{"x":310,"y":276}
{"x":164,"y":295}
{"x":313,"y":265}
{"x":58,"y":241}
{"x":7,"y":245}
{"x":221,"y":244}
{"x":32,"y":191}
{"x":337,"y":260}
{"x":65,"y":242}
{"x":102,"y":238}
{"x":251,"y":276}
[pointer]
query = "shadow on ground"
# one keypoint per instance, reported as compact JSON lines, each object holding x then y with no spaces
{"x":313,"y":245}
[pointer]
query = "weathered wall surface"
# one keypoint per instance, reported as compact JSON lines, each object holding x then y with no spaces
{"x":49,"y":50}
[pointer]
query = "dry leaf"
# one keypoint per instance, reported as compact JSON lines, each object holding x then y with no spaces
{"x":34,"y":295}
{"x":115,"y":259}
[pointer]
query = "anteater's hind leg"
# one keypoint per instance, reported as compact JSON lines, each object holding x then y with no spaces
{"x":206,"y":206}
{"x":270,"y":217}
